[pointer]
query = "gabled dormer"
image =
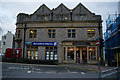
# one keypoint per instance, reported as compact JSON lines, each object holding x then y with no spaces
{"x":41,"y":14}
{"x":80,"y":12}
{"x":61,"y":13}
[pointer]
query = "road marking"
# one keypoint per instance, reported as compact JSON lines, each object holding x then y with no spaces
{"x":11,"y":67}
{"x":82,"y":73}
{"x":50,"y":72}
{"x":73,"y":72}
{"x":68,"y":70}
{"x":29,"y":72}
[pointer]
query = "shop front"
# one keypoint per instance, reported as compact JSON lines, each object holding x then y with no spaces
{"x":34,"y":50}
{"x":79,"y":52}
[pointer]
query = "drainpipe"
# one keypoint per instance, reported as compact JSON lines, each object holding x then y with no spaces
{"x":24,"y":40}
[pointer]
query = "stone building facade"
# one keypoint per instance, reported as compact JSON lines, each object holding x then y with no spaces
{"x":61,"y":34}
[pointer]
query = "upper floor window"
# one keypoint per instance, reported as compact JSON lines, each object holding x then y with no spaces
{"x":3,"y":43}
{"x":51,"y":33}
{"x":71,"y":33}
{"x":32,"y":33}
{"x":18,"y":34}
{"x":4,"y":37}
{"x":91,"y":33}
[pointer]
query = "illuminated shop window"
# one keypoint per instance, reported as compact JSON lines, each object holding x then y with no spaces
{"x":92,"y":53}
{"x":32,"y":52}
{"x":51,"y":53}
{"x":70,"y":53}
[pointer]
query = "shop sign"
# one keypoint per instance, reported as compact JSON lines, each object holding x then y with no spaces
{"x":79,"y":43}
{"x":41,"y":43}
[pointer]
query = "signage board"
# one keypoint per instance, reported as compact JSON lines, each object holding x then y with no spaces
{"x":41,"y":43}
{"x":81,"y":43}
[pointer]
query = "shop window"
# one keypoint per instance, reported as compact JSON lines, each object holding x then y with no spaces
{"x":64,"y":53}
{"x":51,"y":33}
{"x":70,"y":53}
{"x":92,"y":53}
{"x":51,"y":53}
{"x":32,"y":52}
{"x":71,"y":33}
{"x":65,"y":18}
{"x":91,"y":33}
{"x":32,"y":33}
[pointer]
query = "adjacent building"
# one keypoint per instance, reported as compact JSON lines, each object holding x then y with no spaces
{"x":112,"y":37}
{"x":7,"y":41}
{"x":61,"y":34}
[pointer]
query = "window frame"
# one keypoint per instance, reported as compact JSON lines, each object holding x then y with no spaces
{"x":32,"y":49}
{"x":71,"y":33}
{"x":33,"y":35}
{"x":50,"y":52}
{"x":91,"y":33}
{"x":51,"y":33}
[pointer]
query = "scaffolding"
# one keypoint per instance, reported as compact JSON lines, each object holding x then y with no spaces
{"x":112,"y":37}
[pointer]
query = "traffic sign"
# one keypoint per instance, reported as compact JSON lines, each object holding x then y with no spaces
{"x":97,"y":43}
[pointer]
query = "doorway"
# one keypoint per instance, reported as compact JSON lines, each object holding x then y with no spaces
{"x":84,"y":55}
{"x":70,"y":53}
{"x":77,"y":55}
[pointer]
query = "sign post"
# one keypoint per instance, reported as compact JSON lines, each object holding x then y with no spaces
{"x":98,"y":44}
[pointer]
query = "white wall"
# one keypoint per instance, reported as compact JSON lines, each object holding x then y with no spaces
{"x":8,"y":41}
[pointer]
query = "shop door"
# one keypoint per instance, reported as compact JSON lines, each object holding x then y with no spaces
{"x":84,"y":55}
{"x":70,"y":53}
{"x":77,"y":55}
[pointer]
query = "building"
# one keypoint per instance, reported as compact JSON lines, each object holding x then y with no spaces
{"x":61,"y":34}
{"x":7,"y":41}
{"x":112,"y":37}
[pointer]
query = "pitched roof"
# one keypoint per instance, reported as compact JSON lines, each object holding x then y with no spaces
{"x":60,"y":6}
{"x":82,"y":6}
{"x":41,"y":7}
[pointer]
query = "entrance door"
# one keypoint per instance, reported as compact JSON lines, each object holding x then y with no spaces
{"x":84,"y":55}
{"x":77,"y":54}
{"x":70,"y":53}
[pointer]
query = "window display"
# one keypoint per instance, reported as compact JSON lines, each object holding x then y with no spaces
{"x":51,"y":53}
{"x":32,"y":52}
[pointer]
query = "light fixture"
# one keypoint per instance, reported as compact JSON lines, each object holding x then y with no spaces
{"x":31,"y":31}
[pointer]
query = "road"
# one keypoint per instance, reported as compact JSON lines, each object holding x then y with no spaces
{"x":18,"y":70}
